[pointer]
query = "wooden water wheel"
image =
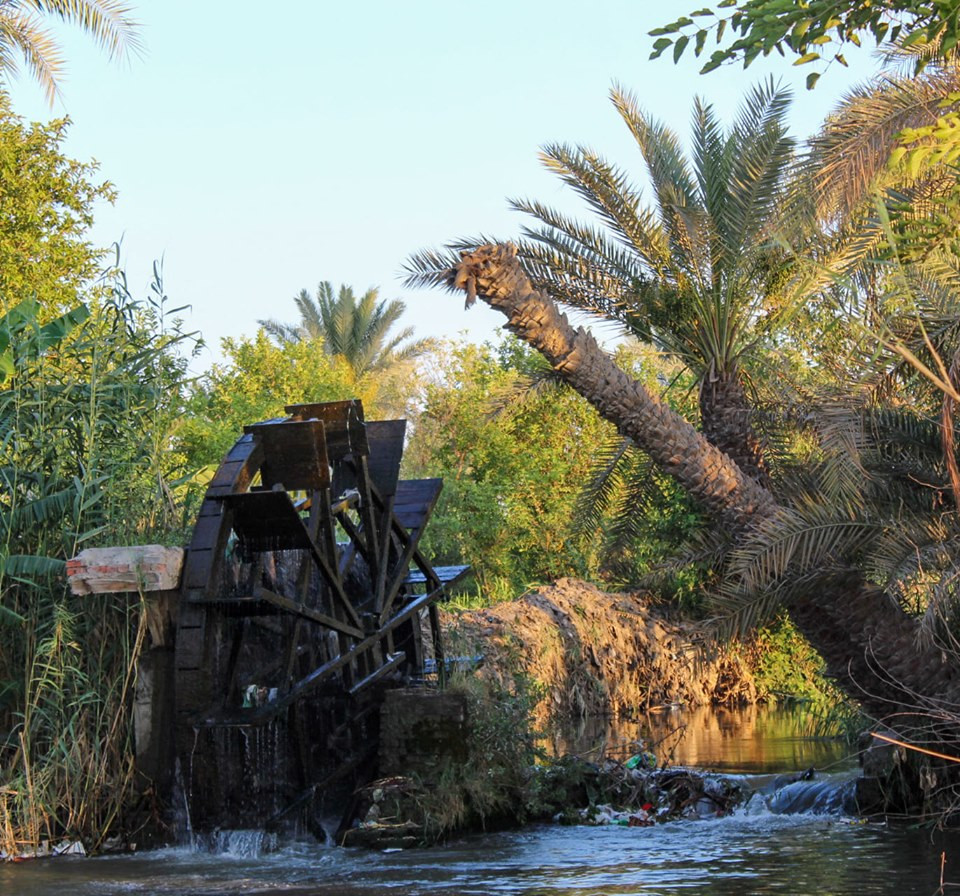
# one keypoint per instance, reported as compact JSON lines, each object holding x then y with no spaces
{"x":304,"y":595}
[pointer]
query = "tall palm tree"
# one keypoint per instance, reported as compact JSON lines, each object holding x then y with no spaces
{"x":697,"y":272}
{"x":357,"y":331}
{"x":23,"y":34}
{"x":867,"y":640}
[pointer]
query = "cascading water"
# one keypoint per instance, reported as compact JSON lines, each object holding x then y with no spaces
{"x":828,"y":795}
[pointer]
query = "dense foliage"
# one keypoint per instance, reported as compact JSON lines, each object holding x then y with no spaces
{"x":47,"y":202}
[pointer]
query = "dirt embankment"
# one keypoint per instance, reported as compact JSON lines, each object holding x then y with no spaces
{"x":596,"y":653}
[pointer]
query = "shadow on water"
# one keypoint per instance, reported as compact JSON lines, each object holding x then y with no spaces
{"x":813,"y":849}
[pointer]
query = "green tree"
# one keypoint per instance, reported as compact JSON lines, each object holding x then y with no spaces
{"x":356,"y":330}
{"x":512,"y":471}
{"x":698,"y":272}
{"x":47,"y":202}
{"x":23,"y":34}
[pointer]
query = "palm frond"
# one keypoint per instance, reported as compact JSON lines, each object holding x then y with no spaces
{"x":599,"y":492}
{"x":850,"y":153}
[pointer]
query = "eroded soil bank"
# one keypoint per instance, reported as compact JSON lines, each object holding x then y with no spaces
{"x":590,"y":653}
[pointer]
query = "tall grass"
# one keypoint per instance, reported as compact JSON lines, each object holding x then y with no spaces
{"x":86,"y":414}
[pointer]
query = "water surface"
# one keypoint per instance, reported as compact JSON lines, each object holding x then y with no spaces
{"x":754,"y":851}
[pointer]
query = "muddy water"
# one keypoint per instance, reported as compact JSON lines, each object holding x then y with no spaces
{"x":752,"y":852}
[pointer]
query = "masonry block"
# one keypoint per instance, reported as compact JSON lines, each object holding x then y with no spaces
{"x":150,"y":567}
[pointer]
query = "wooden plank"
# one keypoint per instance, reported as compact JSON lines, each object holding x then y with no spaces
{"x":242,"y":448}
{"x":267,"y":521}
{"x":343,"y":425}
{"x":386,"y":450}
{"x":265,"y":595}
{"x":366,"y":537}
{"x":292,"y":606}
{"x":393,"y":660}
{"x":198,"y":569}
{"x":329,"y":411}
{"x":210,"y":508}
{"x":294,"y":454}
{"x":192,"y":616}
{"x":411,"y":491}
{"x":380,"y":583}
{"x":206,"y":530}
{"x":227,"y":472}
{"x":411,"y":517}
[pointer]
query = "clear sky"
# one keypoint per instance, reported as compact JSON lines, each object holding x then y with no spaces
{"x":261,"y":148}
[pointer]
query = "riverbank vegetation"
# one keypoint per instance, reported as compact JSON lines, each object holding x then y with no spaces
{"x":775,"y":432}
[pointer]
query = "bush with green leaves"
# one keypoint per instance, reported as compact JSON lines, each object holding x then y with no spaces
{"x":512,"y":465}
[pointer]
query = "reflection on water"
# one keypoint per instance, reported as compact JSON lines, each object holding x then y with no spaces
{"x":748,"y":739}
{"x":751,"y":852}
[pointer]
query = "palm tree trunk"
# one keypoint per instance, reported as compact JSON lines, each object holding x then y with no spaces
{"x":725,"y":417}
{"x":874,"y":649}
{"x":712,"y":478}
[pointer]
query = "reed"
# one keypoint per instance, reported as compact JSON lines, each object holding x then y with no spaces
{"x":86,"y":417}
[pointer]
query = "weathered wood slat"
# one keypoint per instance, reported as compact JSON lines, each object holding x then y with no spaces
{"x":393,"y":660}
{"x":295,"y":454}
{"x":448,"y":575}
{"x":386,"y":449}
{"x":265,"y":595}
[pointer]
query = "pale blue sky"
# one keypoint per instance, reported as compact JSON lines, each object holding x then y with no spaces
{"x":260,"y":149}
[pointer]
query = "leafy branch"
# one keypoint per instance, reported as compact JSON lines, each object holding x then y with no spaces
{"x":813,"y":31}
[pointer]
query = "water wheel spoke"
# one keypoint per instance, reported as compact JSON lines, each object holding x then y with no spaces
{"x":293,"y":606}
{"x":391,"y":663}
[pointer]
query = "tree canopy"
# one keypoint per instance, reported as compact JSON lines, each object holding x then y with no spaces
{"x":356,"y":330}
{"x":47,"y":202}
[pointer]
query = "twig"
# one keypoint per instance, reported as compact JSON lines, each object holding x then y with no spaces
{"x":900,"y":743}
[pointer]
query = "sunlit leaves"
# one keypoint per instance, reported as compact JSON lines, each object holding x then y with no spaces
{"x":23,"y":336}
{"x":814,"y":31}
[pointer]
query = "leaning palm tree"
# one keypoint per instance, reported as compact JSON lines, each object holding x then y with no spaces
{"x":697,"y":272}
{"x":868,"y":641}
{"x":356,"y":331}
{"x":23,"y":34}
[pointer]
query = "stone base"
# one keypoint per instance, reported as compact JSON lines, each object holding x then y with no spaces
{"x":418,"y":727}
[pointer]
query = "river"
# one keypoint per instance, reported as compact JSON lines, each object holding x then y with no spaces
{"x":754,"y":851}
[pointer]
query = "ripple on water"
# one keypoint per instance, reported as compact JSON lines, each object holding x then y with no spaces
{"x":737,"y":855}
